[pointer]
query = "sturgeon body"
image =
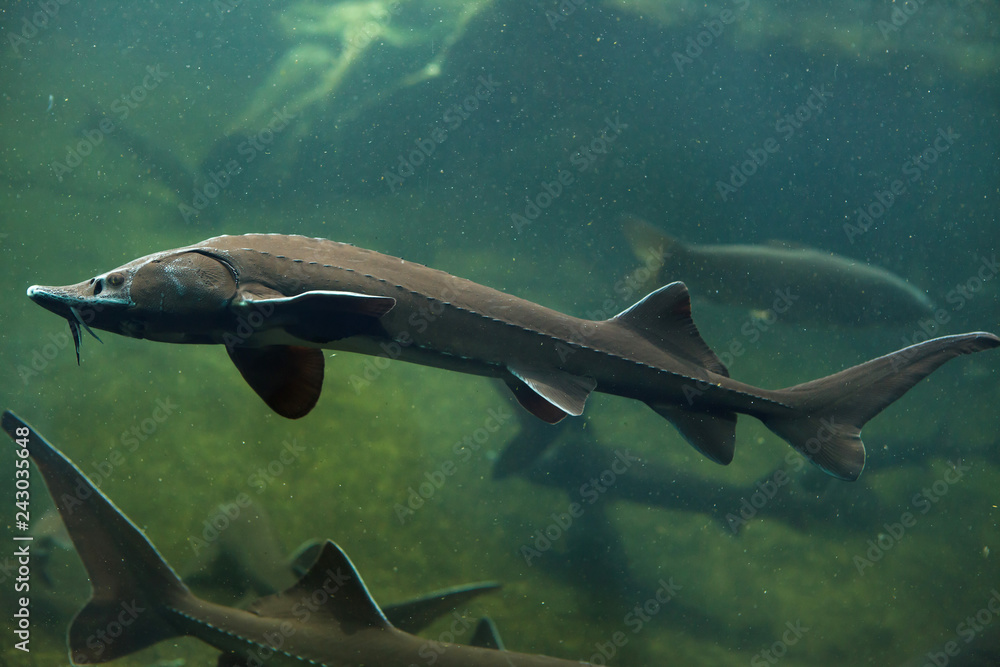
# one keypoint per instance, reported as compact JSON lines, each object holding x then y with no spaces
{"x":274,"y":301}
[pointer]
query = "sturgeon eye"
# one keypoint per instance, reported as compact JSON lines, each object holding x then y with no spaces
{"x":116,"y":279}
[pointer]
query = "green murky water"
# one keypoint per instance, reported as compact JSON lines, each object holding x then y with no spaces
{"x":171,"y":432}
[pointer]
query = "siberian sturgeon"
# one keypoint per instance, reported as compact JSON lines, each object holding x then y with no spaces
{"x":275,"y":301}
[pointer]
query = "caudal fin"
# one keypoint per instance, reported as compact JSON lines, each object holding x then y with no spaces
{"x":130,"y":580}
{"x":829,"y":413}
{"x":649,"y":243}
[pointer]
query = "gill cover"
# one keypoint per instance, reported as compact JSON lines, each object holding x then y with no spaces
{"x":185,"y":283}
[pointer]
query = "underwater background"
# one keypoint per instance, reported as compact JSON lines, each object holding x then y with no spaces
{"x":438,"y":132}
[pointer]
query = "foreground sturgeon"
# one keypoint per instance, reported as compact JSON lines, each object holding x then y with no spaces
{"x":327,"y":619}
{"x":274,"y":300}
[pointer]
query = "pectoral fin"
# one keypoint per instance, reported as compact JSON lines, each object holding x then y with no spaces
{"x":319,"y":316}
{"x":289,"y":378}
{"x":550,"y":395}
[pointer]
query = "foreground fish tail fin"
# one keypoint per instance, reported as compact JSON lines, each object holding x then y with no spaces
{"x":129,"y":578}
{"x":830,"y":412}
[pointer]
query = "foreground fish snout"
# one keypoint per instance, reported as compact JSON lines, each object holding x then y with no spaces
{"x":50,"y":298}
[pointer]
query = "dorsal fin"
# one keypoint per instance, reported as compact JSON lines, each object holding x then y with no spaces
{"x":347,"y":601}
{"x":414,"y":615}
{"x":663,"y":318}
{"x":486,"y":635}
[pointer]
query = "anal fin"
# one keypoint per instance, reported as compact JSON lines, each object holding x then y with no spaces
{"x":288,"y":377}
{"x":711,"y":433}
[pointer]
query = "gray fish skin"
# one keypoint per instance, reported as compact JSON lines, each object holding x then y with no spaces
{"x":826,"y":289}
{"x":131,"y":582}
{"x":274,"y":300}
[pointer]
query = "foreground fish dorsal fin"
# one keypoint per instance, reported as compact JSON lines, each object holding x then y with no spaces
{"x":486,"y":635}
{"x":561,"y":393}
{"x":319,"y":316}
{"x":288,"y":377}
{"x":347,"y":601}
{"x":663,"y":317}
{"x":414,"y":615}
{"x":304,"y":556}
{"x":712,"y":434}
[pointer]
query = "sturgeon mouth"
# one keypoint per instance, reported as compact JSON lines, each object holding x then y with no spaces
{"x":64,"y":305}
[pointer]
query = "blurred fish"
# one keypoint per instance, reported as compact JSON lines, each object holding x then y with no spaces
{"x":810,"y":286}
{"x":137,"y":592}
{"x":571,"y":457}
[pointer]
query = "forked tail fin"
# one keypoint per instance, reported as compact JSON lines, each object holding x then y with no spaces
{"x":829,"y":413}
{"x":130,"y":580}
